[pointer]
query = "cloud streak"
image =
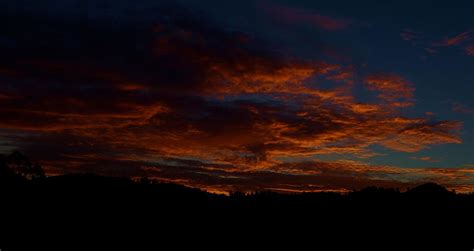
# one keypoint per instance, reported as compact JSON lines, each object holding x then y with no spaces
{"x":432,"y":46}
{"x":295,"y":15}
{"x":470,"y":50}
{"x":458,"y":39}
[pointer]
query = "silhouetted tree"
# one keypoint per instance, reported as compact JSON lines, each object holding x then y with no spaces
{"x":145,"y":181}
{"x":22,"y":166}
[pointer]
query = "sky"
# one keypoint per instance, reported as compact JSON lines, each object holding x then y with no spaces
{"x":290,"y":96}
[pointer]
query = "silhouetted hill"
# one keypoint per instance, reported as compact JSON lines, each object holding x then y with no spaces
{"x":429,"y":189}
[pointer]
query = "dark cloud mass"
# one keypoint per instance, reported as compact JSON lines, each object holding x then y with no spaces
{"x":164,"y":92}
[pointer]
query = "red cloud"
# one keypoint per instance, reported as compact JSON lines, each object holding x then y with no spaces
{"x":459,"y":40}
{"x":463,"y":109}
{"x":432,"y":47}
{"x":303,"y":16}
{"x":465,"y":36}
{"x":470,"y":50}
{"x":425,"y":158}
{"x":391,"y":88}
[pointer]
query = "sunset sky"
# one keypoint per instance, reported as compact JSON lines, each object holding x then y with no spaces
{"x":243,"y":95}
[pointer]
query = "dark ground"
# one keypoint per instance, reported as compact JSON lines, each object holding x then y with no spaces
{"x":78,"y":209}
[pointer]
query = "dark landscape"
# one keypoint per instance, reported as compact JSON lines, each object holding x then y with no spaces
{"x":227,"y":123}
{"x":70,"y":204}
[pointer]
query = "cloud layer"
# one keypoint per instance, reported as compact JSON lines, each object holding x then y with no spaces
{"x":179,"y":99}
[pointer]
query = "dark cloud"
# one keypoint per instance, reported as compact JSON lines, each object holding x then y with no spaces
{"x":409,"y":35}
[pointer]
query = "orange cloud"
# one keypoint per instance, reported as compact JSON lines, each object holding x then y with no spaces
{"x":417,"y":137}
{"x":456,"y":40}
{"x":345,"y":75}
{"x":392,"y":88}
{"x":299,"y":121}
{"x":425,"y":158}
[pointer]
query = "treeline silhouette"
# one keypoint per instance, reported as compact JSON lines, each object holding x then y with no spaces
{"x":30,"y":200}
{"x":21,"y":179}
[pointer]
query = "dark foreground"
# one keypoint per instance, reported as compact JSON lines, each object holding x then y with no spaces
{"x":81,"y":208}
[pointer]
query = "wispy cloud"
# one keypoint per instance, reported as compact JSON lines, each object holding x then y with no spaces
{"x":311,"y":176}
{"x":392,"y":89}
{"x":409,"y":35}
{"x":425,"y":158}
{"x":470,"y":50}
{"x":432,"y":46}
{"x":463,"y":109}
{"x":296,"y":15}
{"x":457,"y":40}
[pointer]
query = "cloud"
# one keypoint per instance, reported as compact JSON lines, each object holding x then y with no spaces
{"x":432,"y":47}
{"x":345,"y":75}
{"x":461,"y":108}
{"x":431,"y":50}
{"x":295,"y":15}
{"x":179,"y":99}
{"x":392,"y":89}
{"x":456,"y":40}
{"x":417,"y":137}
{"x":312,"y":176}
{"x":470,"y":50}
{"x":409,"y":35}
{"x":425,"y":158}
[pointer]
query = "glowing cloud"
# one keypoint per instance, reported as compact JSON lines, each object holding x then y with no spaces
{"x":392,"y":89}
